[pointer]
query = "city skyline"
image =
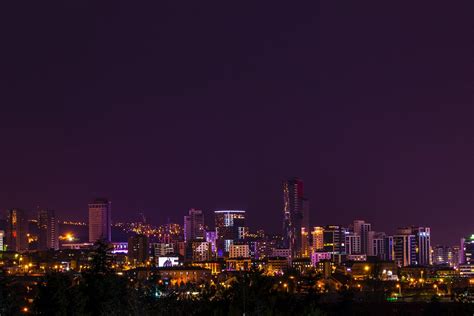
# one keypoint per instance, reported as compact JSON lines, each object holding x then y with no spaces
{"x":164,"y":113}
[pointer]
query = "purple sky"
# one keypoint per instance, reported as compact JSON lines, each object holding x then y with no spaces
{"x":167,"y":106}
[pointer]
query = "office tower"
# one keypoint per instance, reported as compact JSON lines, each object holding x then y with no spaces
{"x":2,"y":235}
{"x":353,"y":244}
{"x":230,"y":226}
{"x":334,"y":238}
{"x":211,"y":237}
{"x":442,"y":255}
{"x":48,"y":230}
{"x":99,"y":220}
{"x":467,"y":250}
{"x":17,"y":230}
{"x":423,"y":244}
{"x":318,"y":240}
{"x":138,"y":249}
{"x":194,"y":225}
{"x":456,"y":257}
{"x":295,"y":215}
{"x":305,"y":242}
{"x":389,"y":253}
{"x":362,"y":229}
{"x":376,"y":244}
{"x":404,"y":248}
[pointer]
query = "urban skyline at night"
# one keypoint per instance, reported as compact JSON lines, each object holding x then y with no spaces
{"x":232,"y":158}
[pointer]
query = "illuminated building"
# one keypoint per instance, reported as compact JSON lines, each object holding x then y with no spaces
{"x":177,"y":275}
{"x":230,"y":226}
{"x":238,"y":264}
{"x":239,"y":251}
{"x":319,"y":256}
{"x":318,"y":238}
{"x":17,"y":230}
{"x":305,"y":251}
{"x":334,"y":239}
{"x":276,"y":265}
{"x":442,"y":255}
{"x":2,"y":235}
{"x":138,"y":250}
{"x":211,"y":237}
{"x":48,"y":230}
{"x":376,"y":244}
{"x":362,"y":229}
{"x":294,"y":211}
{"x":194,"y":225}
{"x":99,"y":220}
{"x":422,"y":244}
{"x":404,"y":248}
{"x":201,"y":250}
{"x":282,"y":252}
{"x":264,"y":249}
{"x":161,"y":249}
{"x":353,"y":244}
{"x":467,"y":250}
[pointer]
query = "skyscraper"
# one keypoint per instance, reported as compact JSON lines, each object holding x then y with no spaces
{"x":352,"y":244}
{"x":48,"y":230}
{"x":99,"y":220}
{"x":194,"y":225}
{"x":423,"y":244}
{"x":17,"y":229}
{"x":295,"y":215}
{"x":230,"y":226}
{"x":362,"y":229}
{"x":404,"y":249}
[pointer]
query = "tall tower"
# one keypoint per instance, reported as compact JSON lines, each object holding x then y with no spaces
{"x":99,"y":220}
{"x":48,"y":230}
{"x":194,"y":225}
{"x":362,"y":229}
{"x":230,"y":226}
{"x":294,"y":219}
{"x":17,"y":229}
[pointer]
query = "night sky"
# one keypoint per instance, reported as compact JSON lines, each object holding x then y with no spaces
{"x":167,"y":106}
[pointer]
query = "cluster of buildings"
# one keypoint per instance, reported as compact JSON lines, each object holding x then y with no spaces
{"x":231,"y":246}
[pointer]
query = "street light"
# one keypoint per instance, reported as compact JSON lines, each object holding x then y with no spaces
{"x":399,"y":289}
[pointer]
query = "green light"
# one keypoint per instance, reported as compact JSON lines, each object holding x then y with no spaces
{"x":472,"y":236}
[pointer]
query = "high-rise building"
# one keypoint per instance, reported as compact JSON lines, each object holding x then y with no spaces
{"x":442,"y":255}
{"x":2,"y":235}
{"x":17,"y":230}
{"x":353,"y":244}
{"x":48,"y":230}
{"x":295,"y":215}
{"x":194,"y":225}
{"x":404,"y":248}
{"x":334,"y":238}
{"x":362,"y":229}
{"x":422,"y":243}
{"x":230,"y":226}
{"x":467,"y":250}
{"x":376,"y":244}
{"x":138,"y":249}
{"x":318,"y":238}
{"x":389,"y":252}
{"x":100,"y":220}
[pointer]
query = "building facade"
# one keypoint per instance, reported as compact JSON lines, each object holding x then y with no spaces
{"x":100,"y":220}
